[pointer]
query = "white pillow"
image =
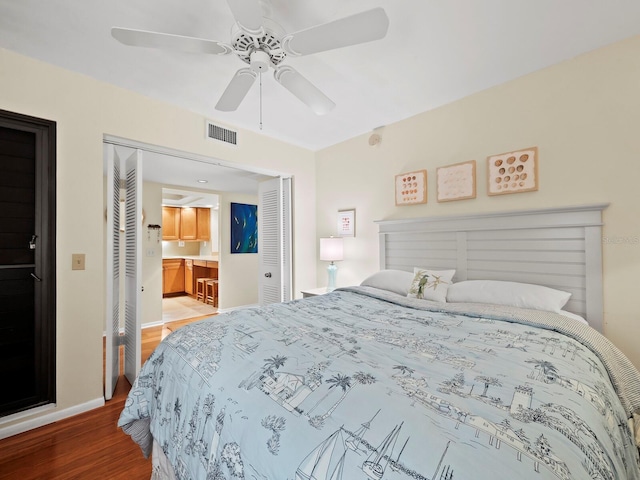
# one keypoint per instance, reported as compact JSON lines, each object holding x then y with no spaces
{"x":397,"y":281}
{"x":522,"y":295}
{"x":430,"y":284}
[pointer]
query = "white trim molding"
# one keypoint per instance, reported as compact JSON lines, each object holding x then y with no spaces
{"x":42,"y":420}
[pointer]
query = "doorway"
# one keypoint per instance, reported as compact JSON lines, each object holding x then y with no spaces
{"x":27,"y":261}
{"x":169,"y":169}
{"x":190,"y":250}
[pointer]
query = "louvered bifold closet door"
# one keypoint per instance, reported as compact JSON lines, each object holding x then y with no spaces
{"x":274,"y":240}
{"x":112,"y":347}
{"x":133,"y":273}
{"x":269,"y":252}
{"x":287,"y":247}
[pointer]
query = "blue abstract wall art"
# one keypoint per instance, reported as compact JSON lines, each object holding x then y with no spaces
{"x":244,"y":228}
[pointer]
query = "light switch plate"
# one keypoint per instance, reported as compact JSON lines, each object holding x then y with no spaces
{"x":77,"y":261}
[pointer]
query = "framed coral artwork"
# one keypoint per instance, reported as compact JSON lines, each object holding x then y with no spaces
{"x":513,"y":172}
{"x":456,"y":182}
{"x":411,"y":188}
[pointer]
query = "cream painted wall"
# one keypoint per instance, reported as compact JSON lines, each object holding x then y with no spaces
{"x":584,"y":116}
{"x":214,"y":245}
{"x":238,"y":272}
{"x":85,"y":110}
{"x":172,"y":248}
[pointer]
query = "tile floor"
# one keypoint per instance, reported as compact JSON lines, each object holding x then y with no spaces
{"x":179,"y":308}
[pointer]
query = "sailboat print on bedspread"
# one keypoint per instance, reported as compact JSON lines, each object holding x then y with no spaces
{"x":327,"y":460}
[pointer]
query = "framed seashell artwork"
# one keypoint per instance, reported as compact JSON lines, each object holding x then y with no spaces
{"x":513,"y":172}
{"x":411,"y":188}
{"x":456,"y":182}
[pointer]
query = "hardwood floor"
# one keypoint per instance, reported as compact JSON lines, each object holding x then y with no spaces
{"x":87,"y":446}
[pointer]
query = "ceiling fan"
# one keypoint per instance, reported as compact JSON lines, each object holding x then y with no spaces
{"x":262,"y":44}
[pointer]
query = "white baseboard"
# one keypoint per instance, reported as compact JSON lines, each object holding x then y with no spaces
{"x":149,"y":325}
{"x":42,"y":420}
{"x":143,"y":326}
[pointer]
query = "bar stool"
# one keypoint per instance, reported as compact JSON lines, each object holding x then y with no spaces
{"x":200,"y":288}
{"x":211,"y":286}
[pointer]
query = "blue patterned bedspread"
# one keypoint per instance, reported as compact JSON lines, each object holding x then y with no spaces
{"x":349,"y":386}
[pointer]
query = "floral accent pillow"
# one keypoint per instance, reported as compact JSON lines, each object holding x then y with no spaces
{"x":430,"y":284}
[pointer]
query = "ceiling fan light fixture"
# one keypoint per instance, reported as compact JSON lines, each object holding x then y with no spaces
{"x":260,"y":61}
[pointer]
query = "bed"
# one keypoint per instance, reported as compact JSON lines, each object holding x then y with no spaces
{"x":390,"y":380}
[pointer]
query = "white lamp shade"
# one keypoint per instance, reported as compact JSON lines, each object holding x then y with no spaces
{"x":331,"y":249}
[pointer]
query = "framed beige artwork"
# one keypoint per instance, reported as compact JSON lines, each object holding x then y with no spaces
{"x":513,"y":172}
{"x":411,"y":188}
{"x":456,"y":182}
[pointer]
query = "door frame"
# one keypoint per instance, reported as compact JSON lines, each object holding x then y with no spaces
{"x":45,"y":254}
{"x":146,"y":147}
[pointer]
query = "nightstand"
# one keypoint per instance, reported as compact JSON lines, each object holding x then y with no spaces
{"x":312,"y":292}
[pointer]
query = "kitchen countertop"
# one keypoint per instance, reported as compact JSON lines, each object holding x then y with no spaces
{"x":208,"y":258}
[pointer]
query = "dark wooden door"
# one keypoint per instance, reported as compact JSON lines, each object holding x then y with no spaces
{"x":27,"y":262}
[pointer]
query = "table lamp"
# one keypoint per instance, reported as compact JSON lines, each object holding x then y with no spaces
{"x":331,"y":250}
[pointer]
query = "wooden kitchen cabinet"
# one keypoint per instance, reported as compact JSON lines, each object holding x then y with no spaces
{"x":171,"y":223}
{"x":189,"y":223}
{"x":188,"y":277}
{"x":173,"y":276}
{"x":203,"y":224}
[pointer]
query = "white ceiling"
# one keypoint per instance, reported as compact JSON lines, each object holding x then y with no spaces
{"x":190,"y":180}
{"x":436,"y":51}
{"x":187,"y":198}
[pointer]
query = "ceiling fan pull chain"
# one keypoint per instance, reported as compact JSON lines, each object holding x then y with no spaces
{"x":260,"y":75}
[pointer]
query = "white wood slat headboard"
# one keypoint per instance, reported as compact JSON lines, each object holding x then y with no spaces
{"x":558,"y":247}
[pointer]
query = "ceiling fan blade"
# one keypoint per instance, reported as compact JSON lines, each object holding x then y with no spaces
{"x":247,"y":14}
{"x":143,"y":38}
{"x":359,"y":28}
{"x":236,"y":90}
{"x":302,"y":88}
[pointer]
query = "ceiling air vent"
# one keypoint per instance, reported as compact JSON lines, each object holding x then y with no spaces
{"x":222,"y":134}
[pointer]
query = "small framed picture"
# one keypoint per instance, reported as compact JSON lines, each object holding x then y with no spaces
{"x":456,"y":182}
{"x":513,"y":172}
{"x":411,"y":188}
{"x":347,"y":223}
